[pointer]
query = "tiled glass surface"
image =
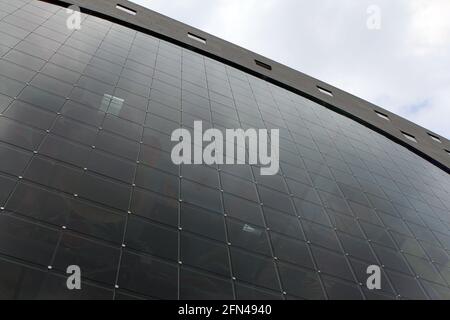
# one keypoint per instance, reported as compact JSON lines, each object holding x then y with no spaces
{"x":86,"y":179}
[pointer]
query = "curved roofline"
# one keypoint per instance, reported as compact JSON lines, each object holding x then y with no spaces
{"x":359,"y":110}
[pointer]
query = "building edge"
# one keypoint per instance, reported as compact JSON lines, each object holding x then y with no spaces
{"x":152,"y":23}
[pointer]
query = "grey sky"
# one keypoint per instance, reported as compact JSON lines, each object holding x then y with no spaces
{"x":403,"y":67}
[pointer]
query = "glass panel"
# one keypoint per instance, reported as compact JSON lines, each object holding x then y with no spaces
{"x":197,"y":194}
{"x":254,"y":269}
{"x":148,"y":276}
{"x":97,"y":261}
{"x":155,"y":207}
{"x":204,"y":254}
{"x":301,"y":283}
{"x":202,"y":222}
{"x":151,"y":238}
{"x":248,"y":237}
{"x":199,"y":286}
{"x":27,"y":241}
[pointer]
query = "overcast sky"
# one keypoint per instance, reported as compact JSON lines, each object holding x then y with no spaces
{"x":404,"y":66}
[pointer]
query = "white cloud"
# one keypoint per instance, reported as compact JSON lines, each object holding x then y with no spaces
{"x":403,"y":67}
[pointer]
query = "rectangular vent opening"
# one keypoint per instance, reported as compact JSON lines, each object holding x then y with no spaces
{"x":409,"y":136}
{"x":382,"y":115}
{"x":325,"y":91}
{"x":263,"y":65}
{"x":125,"y":9}
{"x":435,"y":138}
{"x":196,"y":38}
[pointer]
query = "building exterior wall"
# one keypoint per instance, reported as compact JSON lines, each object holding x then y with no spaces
{"x":87,"y":178}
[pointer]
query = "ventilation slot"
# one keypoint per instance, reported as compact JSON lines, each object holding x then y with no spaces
{"x":409,"y":137}
{"x":263,"y":65}
{"x":435,"y":138}
{"x":325,"y":91}
{"x":196,"y":38}
{"x":382,"y":115}
{"x":125,"y":9}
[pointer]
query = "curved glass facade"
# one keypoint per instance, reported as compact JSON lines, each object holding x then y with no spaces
{"x":86,"y":179}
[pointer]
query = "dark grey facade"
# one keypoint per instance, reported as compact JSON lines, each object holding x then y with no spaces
{"x":86,"y":177}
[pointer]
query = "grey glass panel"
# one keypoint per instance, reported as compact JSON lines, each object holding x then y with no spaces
{"x":435,"y":291}
{"x":357,"y":248}
{"x":19,"y":135}
{"x":197,"y":194}
{"x":254,"y":269}
{"x":105,"y":191}
{"x":424,"y":269}
{"x":148,"y":276}
{"x":360,"y":269}
{"x":201,"y":174}
{"x":25,"y":283}
{"x":303,"y":191}
{"x":242,"y":209}
{"x":157,"y":139}
{"x":199,"y":286}
{"x":204,"y":254}
{"x":332,"y":263}
{"x":51,"y":85}
{"x":312,"y":212}
{"x":365,"y":213}
{"x":246,"y":292}
{"x":60,"y":73}
{"x":117,"y":145}
{"x":320,"y":235}
{"x":82,"y":113}
{"x":292,"y":251}
{"x":6,"y":186}
{"x":16,"y":72}
{"x":283,"y":223}
{"x":98,"y":261}
{"x":391,"y":259}
{"x":65,"y":150}
{"x":248,"y":237}
{"x":55,"y":208}
{"x":121,"y":127}
{"x":13,"y":160}
{"x":155,"y":207}
{"x":151,"y":238}
{"x":242,"y":188}
{"x":276,"y":182}
{"x":111,"y":166}
{"x":334,"y":203}
{"x":27,"y":241}
{"x":276,"y":200}
{"x":242,"y":171}
{"x":377,"y":234}
{"x":24,"y":60}
{"x":302,"y":283}
{"x":406,"y":286}
{"x":203,"y":222}
{"x":54,"y":174}
{"x":155,"y":180}
{"x":339,"y":290}
{"x":436,"y":254}
{"x":75,"y":131}
{"x":345,"y":223}
{"x":42,"y":99}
